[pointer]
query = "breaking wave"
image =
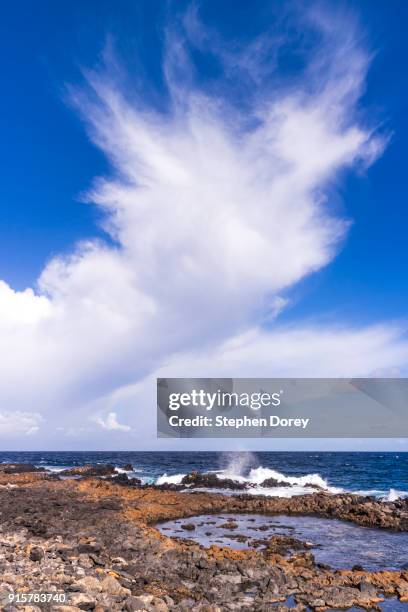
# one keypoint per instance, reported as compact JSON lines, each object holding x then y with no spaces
{"x":298,"y":485}
{"x":395,"y":495}
{"x":174,"y":479}
{"x":260,"y":474}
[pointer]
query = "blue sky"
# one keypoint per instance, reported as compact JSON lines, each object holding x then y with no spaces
{"x":48,"y":161}
{"x":62,"y":64}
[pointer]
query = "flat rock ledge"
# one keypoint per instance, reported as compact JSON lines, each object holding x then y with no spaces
{"x":95,"y":540}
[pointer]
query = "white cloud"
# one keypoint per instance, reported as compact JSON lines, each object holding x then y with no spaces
{"x":19,"y":423}
{"x":299,"y":351}
{"x":214,"y":215}
{"x":111,"y":423}
{"x":21,"y":308}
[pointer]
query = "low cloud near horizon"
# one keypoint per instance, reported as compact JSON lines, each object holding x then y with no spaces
{"x":213,"y":216}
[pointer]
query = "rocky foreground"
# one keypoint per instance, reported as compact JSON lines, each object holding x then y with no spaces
{"x":93,"y":538}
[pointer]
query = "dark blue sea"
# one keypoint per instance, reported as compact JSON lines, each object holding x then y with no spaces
{"x":379,"y":474}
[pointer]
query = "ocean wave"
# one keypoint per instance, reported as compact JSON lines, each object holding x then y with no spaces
{"x":395,"y":495}
{"x":120,"y":470}
{"x":288,"y":492}
{"x":389,"y":496}
{"x":299,"y":485}
{"x":260,"y":474}
{"x":54,"y":468}
{"x":173,"y":479}
{"x":254,"y":477}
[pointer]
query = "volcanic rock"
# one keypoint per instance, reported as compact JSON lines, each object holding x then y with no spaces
{"x":90,"y":470}
{"x":188,"y":526}
{"x":36,"y":553}
{"x":19,"y":468}
{"x":272,"y":482}
{"x":123,"y":479}
{"x":211,"y":481}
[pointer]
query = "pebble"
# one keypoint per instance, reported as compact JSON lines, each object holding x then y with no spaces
{"x":36,"y":553}
{"x":113,"y":587}
{"x":82,"y":601}
{"x":89,"y":583}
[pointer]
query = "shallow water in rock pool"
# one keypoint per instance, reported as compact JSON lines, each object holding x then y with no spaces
{"x":336,"y":543}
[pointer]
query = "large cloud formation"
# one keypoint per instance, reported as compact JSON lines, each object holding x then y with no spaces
{"x":213,"y":215}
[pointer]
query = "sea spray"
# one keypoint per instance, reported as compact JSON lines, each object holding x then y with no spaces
{"x":238,"y":463}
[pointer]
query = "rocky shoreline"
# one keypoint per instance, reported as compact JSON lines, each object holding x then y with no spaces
{"x":93,"y":537}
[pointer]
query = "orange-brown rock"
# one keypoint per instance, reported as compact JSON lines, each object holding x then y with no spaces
{"x":91,"y":529}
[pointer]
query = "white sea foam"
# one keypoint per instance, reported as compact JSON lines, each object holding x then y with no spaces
{"x":395,"y":494}
{"x":392,"y":495}
{"x":389,"y":496}
{"x":120,"y":470}
{"x":282,"y":491}
{"x":299,"y":485}
{"x":266,"y":492}
{"x":173,"y":479}
{"x":54,"y":468}
{"x":238,"y":470}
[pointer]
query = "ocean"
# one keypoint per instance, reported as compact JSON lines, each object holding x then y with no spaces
{"x":383,"y":475}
